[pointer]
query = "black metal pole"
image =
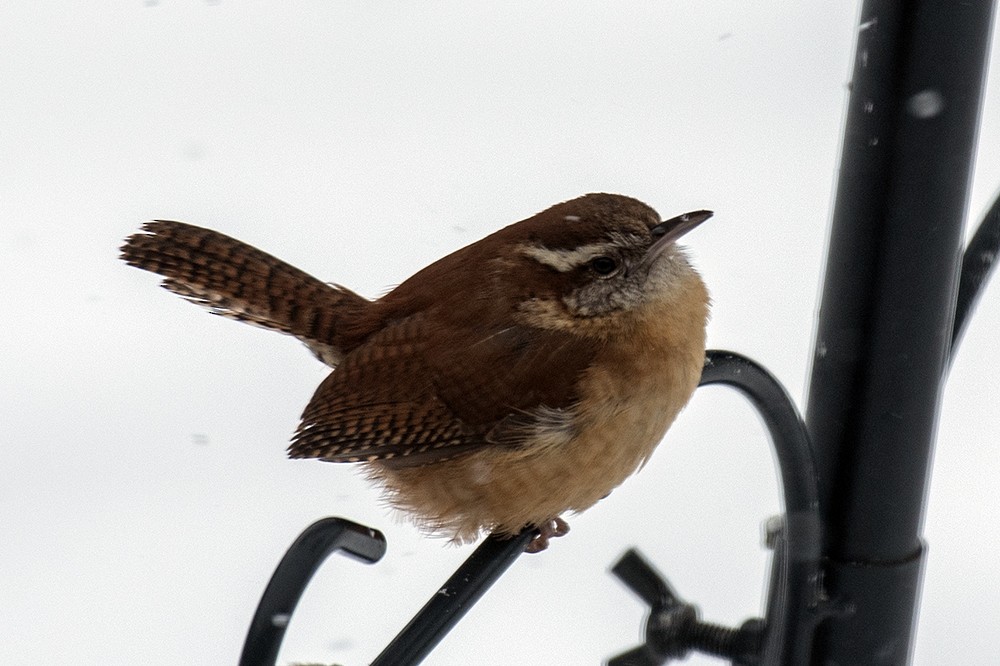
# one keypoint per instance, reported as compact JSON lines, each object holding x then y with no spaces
{"x":887,"y":310}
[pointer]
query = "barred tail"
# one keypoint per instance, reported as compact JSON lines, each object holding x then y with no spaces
{"x":238,"y":281}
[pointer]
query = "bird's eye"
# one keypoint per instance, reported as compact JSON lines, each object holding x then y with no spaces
{"x":604,"y":266}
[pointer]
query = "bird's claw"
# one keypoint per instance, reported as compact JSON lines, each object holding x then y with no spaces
{"x":556,"y":527}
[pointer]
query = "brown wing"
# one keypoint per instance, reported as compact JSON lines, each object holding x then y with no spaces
{"x":238,"y":281}
{"x":415,"y":394}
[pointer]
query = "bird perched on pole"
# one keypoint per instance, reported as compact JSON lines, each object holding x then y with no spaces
{"x":519,"y":378}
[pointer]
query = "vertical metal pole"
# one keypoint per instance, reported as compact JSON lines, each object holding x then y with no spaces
{"x":887,"y":308}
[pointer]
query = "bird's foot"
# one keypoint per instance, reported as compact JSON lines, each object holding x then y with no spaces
{"x":556,"y":527}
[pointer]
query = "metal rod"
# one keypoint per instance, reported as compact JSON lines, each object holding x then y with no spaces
{"x":887,"y":310}
{"x":793,"y":608}
{"x":453,"y":600}
{"x":978,"y":263}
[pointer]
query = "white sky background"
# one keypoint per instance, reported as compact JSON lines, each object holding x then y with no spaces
{"x":144,"y":493}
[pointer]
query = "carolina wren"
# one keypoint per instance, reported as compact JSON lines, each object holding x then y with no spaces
{"x":521,"y":377}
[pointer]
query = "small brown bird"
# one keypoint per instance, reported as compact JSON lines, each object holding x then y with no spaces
{"x":521,"y":377}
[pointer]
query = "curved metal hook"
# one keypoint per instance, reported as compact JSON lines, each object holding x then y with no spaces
{"x":304,"y":556}
{"x":781,"y":417}
{"x":318,"y":541}
{"x":796,"y":588}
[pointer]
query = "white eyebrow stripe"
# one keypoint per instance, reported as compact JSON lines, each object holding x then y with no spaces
{"x":565,"y":260}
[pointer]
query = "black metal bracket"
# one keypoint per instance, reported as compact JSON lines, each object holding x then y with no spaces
{"x":978,"y":263}
{"x":796,"y":588}
{"x":296,"y":569}
{"x":796,"y":585}
{"x":324,"y":537}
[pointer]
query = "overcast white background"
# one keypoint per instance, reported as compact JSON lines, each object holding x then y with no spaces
{"x":144,"y":493}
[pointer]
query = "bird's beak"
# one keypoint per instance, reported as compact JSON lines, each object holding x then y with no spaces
{"x":670,"y":230}
{"x":665,"y":233}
